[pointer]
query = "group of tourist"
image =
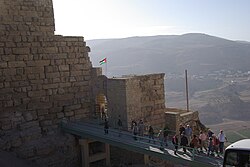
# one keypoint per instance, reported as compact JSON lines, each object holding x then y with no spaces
{"x":137,"y":129}
{"x":216,"y":143}
{"x":185,"y":133}
{"x":207,"y":141}
{"x":185,"y":138}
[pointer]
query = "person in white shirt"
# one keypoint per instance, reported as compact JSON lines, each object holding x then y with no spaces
{"x":188,"y":133}
{"x":222,"y":138}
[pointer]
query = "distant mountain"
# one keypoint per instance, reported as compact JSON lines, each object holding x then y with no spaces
{"x":199,"y":53}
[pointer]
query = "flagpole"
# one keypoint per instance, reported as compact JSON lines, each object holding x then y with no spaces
{"x":108,"y":112}
{"x":106,"y":67}
{"x":187,"y":91}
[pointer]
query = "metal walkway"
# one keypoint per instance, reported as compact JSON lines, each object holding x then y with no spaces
{"x":126,"y":141}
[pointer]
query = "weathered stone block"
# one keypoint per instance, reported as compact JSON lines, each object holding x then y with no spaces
{"x":39,"y":105}
{"x":38,"y":63}
{"x":72,"y":107}
{"x":64,"y":97}
{"x":36,"y":93}
{"x":69,"y":113}
{"x":10,"y":44}
{"x":50,"y":50}
{"x":29,"y":116}
{"x":21,"y":51}
{"x":46,"y":123}
{"x":44,"y":151}
{"x":16,"y":64}
{"x":9,"y":72}
{"x":27,"y":125}
{"x":42,"y":112}
{"x":7,"y":57}
{"x":3,"y":64}
{"x":49,"y":69}
{"x":50,"y":86}
{"x":33,"y":70}
{"x":76,"y":67}
{"x":63,"y":85}
{"x":60,"y":115}
{"x":52,"y":75}
{"x":63,"y":67}
{"x":1,"y":51}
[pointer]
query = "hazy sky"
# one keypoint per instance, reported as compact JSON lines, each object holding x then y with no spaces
{"x":96,"y":19}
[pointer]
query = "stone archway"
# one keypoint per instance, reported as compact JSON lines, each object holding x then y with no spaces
{"x":101,"y":106}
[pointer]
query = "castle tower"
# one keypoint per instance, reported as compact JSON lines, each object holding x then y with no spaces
{"x":44,"y":79}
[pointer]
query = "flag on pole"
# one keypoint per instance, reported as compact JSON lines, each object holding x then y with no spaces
{"x":103,"y":61}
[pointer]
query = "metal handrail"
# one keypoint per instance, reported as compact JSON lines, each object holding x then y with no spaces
{"x":156,"y":142}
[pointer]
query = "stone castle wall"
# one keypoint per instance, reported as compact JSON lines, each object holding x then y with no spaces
{"x":43,"y":79}
{"x":153,"y":99}
{"x":174,"y":117}
{"x":136,"y":98}
{"x":117,"y":102}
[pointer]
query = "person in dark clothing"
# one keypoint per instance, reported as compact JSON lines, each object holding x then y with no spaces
{"x":119,"y":123}
{"x":106,"y":127}
{"x":184,"y":142}
{"x":151,"y":134}
{"x":132,"y":124}
{"x":165,"y":135}
{"x":175,"y":143}
{"x":135,"y":130}
{"x":210,"y":133}
{"x":210,"y":147}
{"x":181,"y":129}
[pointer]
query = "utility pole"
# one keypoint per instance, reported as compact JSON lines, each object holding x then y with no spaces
{"x":187,"y":90}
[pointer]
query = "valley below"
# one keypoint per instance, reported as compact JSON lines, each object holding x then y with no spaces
{"x":218,"y":73}
{"x":226,"y":106}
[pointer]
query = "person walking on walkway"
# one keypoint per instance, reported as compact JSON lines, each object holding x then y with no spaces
{"x":161,"y":139}
{"x":203,"y":141}
{"x":165,"y":135}
{"x":210,"y":146}
{"x":184,"y":142}
{"x":106,"y":126}
{"x":135,"y":130}
{"x":216,"y":143}
{"x":194,"y":143}
{"x":181,"y":129}
{"x":141,"y":128}
{"x":222,"y":138}
{"x":151,"y":134}
{"x":188,"y":133}
{"x":119,"y":123}
{"x":175,"y":143}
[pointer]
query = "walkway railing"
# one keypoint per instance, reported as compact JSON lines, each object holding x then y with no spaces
{"x":156,"y":139}
{"x":127,"y":139}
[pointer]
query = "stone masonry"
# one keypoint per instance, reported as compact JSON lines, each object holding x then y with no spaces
{"x":174,"y":117}
{"x":135,"y":98}
{"x":43,"y":79}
